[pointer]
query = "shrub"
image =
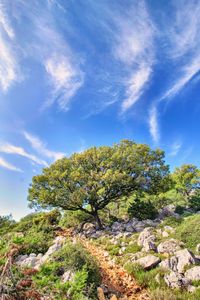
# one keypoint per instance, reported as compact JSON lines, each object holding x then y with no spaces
{"x":179,"y":209}
{"x":75,"y":258}
{"x":142,"y":210}
{"x":194,"y":203}
{"x":74,"y":218}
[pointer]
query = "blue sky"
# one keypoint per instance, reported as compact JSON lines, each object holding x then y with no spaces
{"x":78,"y":73}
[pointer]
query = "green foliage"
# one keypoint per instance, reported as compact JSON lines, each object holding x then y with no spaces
{"x":171,"y":221}
{"x":142,"y":209}
{"x":74,"y":218}
{"x":90,"y":180}
{"x":75,"y":258}
{"x":188,"y":231}
{"x":187,"y":180}
{"x":194,"y":202}
{"x":6,"y":224}
{"x":179,"y":209}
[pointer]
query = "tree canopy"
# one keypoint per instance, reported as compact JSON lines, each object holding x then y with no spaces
{"x":187,"y":180}
{"x":90,"y":180}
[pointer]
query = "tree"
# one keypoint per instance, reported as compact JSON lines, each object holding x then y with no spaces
{"x":187,"y":180}
{"x":90,"y":180}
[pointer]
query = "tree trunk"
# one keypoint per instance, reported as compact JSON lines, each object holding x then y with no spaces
{"x":98,"y":221}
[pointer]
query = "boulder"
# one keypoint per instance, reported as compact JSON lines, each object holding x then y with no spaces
{"x":58,"y":243}
{"x":148,"y":262}
{"x":169,"y":246}
{"x":193,"y":273}
{"x":146,"y":240}
{"x":179,"y":261}
{"x":139,"y":226}
{"x":116,"y":226}
{"x":167,"y":211}
{"x":198,"y":248}
{"x":129,"y":227}
{"x":146,"y":233}
{"x":176,"y":280}
{"x":149,"y":244}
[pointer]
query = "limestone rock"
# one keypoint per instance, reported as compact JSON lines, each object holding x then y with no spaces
{"x":146,"y":233}
{"x":176,"y":280}
{"x":179,"y":261}
{"x":193,"y":273}
{"x":148,"y":262}
{"x":169,"y":246}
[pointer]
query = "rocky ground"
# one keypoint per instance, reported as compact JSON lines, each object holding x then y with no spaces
{"x":152,"y":247}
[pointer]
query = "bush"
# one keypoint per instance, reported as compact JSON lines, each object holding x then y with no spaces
{"x":179,"y":209}
{"x":6,"y":224}
{"x":74,"y":218}
{"x":194,"y":203}
{"x":142,"y":210}
{"x":75,"y":258}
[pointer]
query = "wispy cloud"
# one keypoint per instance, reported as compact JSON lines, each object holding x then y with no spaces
{"x":9,"y":69}
{"x":175,"y":148}
{"x":184,"y":45}
{"x":135,"y":48}
{"x":65,"y":79}
{"x":11,"y":149}
{"x":5,"y":164}
{"x":41,"y":148}
{"x":153,"y":124}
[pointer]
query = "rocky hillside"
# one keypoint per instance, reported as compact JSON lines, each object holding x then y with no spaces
{"x":130,"y":259}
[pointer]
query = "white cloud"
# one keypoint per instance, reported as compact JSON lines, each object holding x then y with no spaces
{"x":5,"y":164}
{"x":41,"y":148}
{"x":184,"y":45}
{"x":153,"y":124}
{"x":176,"y":146}
{"x":11,"y":149}
{"x":135,"y":86}
{"x":65,"y":79}
{"x":9,"y":69}
{"x":135,"y":48}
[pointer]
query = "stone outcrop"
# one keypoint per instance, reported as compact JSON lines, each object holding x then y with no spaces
{"x":176,"y":280}
{"x":193,"y":273}
{"x":148,"y":262}
{"x":169,"y":246}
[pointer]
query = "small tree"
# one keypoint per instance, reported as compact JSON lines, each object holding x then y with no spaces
{"x":88,"y":181}
{"x":187,"y":180}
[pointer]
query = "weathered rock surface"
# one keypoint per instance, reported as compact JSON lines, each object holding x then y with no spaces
{"x":169,"y":246}
{"x":35,"y":261}
{"x":179,"y":261}
{"x":146,"y":233}
{"x":148,"y":262}
{"x":193,"y":273}
{"x":176,"y":280}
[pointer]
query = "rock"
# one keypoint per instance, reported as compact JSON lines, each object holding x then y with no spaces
{"x":135,"y":256}
{"x":68,"y":276}
{"x":88,"y":226}
{"x":116,"y":226}
{"x":139,"y":226}
{"x":149,"y":244}
{"x":100,"y":294}
{"x":165,"y":234}
{"x":146,"y":240}
{"x":129,"y":227}
{"x":198,"y":248}
{"x":58,"y":243}
{"x":114,"y":297}
{"x":193,"y":273}
{"x":179,"y":261}
{"x":146,"y":233}
{"x":176,"y":280}
{"x":169,"y":229}
{"x":169,"y":246}
{"x":167,"y":211}
{"x":148,"y":262}
{"x":191,"y":289}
